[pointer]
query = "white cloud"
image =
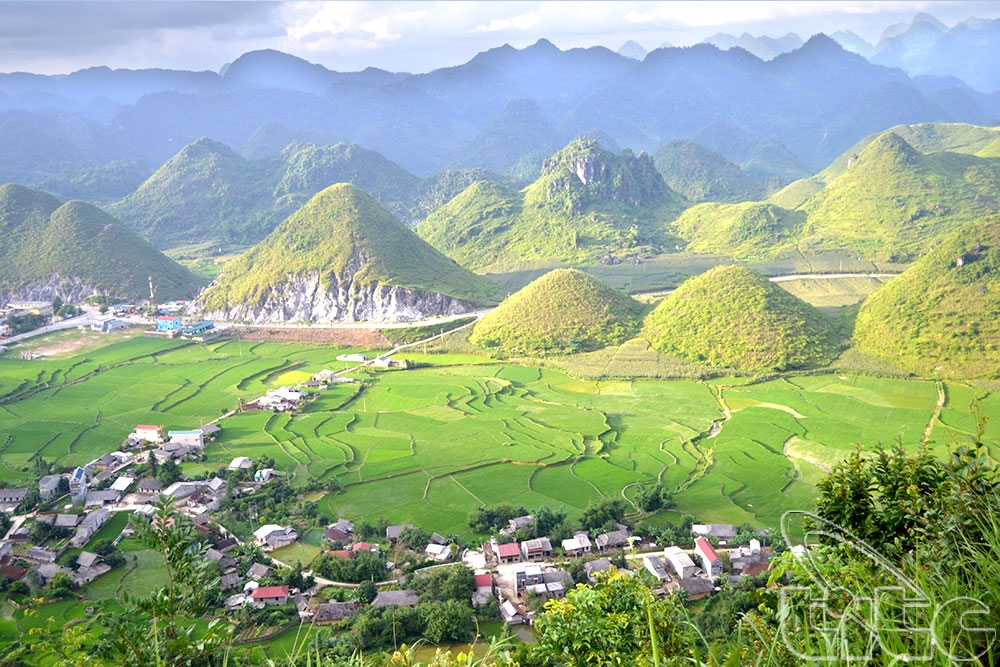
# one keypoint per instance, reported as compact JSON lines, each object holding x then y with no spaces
{"x":519,"y":22}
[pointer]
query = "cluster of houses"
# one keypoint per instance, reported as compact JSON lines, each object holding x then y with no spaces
{"x":380,"y":361}
{"x":171,"y":326}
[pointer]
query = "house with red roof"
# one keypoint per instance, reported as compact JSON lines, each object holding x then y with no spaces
{"x":509,"y":553}
{"x":710,"y":561}
{"x":484,"y":589}
{"x":270,"y":595}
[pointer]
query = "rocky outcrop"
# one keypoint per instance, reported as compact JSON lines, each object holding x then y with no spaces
{"x":71,"y":289}
{"x":303,"y":298}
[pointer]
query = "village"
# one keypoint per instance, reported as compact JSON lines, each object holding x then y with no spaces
{"x":51,"y":539}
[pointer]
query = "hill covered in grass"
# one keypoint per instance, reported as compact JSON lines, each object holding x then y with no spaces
{"x":941,"y":317}
{"x":731,"y":317}
{"x":563,"y":312}
{"x":701,"y":174}
{"x":893,"y":201}
{"x":588,"y":205}
{"x":748,"y":230}
{"x":75,"y":249}
{"x":342,"y":257}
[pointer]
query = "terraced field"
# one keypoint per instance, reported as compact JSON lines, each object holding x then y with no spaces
{"x":429,"y":444}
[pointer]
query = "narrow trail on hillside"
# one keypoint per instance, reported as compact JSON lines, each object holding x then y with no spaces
{"x":942,"y":399}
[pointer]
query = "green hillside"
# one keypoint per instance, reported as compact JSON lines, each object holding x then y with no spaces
{"x":941,"y":317}
{"x":43,"y":237}
{"x":990,"y":150}
{"x":703,"y":175}
{"x":588,"y":205}
{"x":563,"y":312}
{"x":304,"y":169}
{"x":343,"y":230}
{"x":731,"y":317}
{"x":893,"y":200}
{"x":205,"y":192}
{"x":751,"y":230}
{"x":925,"y":138}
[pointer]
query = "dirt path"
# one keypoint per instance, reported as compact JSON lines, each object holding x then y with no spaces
{"x":942,"y":398}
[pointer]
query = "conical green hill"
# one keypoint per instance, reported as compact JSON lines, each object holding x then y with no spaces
{"x":76,"y":241}
{"x":893,"y":201}
{"x":731,"y":317}
{"x":563,"y":311}
{"x":941,"y":317}
{"x":343,"y":235}
{"x":206,"y":191}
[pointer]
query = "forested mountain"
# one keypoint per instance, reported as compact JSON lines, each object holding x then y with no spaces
{"x":588,"y":204}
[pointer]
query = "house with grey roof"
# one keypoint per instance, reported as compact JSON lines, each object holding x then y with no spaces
{"x":48,"y":486}
{"x":407,"y":598}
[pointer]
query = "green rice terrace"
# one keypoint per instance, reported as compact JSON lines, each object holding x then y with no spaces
{"x":454,"y":432}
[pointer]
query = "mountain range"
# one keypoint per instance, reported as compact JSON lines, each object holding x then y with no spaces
{"x":505,"y":109}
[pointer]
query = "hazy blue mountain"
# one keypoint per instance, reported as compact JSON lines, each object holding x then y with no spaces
{"x":968,"y":50}
{"x":633,"y":50}
{"x":853,"y":43}
{"x":765,"y":48}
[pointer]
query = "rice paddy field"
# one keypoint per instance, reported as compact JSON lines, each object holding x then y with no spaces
{"x":429,"y":444}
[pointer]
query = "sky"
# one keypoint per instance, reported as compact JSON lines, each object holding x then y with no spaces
{"x":55,"y":37}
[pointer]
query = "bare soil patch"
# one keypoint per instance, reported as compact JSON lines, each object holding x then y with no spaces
{"x":346,"y":336}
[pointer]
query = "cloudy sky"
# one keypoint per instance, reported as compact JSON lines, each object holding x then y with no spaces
{"x":52,"y":37}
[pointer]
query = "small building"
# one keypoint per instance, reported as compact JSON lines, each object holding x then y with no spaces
{"x":616,"y":539}
{"x":696,"y":587}
{"x":511,"y":614}
{"x":191,"y":438}
{"x":40,"y":555}
{"x":355,"y":357}
{"x":578,"y":545}
{"x":198,"y":329}
{"x":88,"y":559}
{"x":48,"y":486}
{"x":392,"y":533}
{"x":270,"y":595}
{"x":538,"y":549}
{"x":680,"y":561}
{"x":149,"y":485}
{"x":263,"y":476}
{"x":516,"y":524}
{"x":169,"y":323}
{"x":388,"y":362}
{"x":710,"y":561}
{"x":147,"y":433}
{"x":122,"y":484}
{"x":509,"y":553}
{"x":229,"y":581}
{"x":720,"y":531}
{"x":101,"y":498}
{"x":260,"y":571}
{"x":592,"y":568}
{"x":407,"y":598}
{"x":241,"y":463}
{"x":363,"y":546}
{"x":438,"y":552}
{"x":484,"y":589}
{"x":333,"y":612}
{"x":272,"y":536}
{"x":13,"y":496}
{"x":78,"y":486}
{"x":67,"y":520}
{"x":654,"y":565}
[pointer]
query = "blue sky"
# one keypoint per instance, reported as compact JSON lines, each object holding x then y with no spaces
{"x":59,"y":37}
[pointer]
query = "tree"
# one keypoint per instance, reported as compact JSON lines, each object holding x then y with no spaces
{"x":61,"y":585}
{"x":57,"y":303}
{"x":603,"y":513}
{"x":163,"y":627}
{"x":449,"y":621}
{"x":612,"y":623}
{"x":169,"y":472}
{"x":653,"y":498}
{"x":414,"y":538}
{"x":366,"y":592}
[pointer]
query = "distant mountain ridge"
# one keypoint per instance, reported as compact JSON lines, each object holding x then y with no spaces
{"x":814,"y":102}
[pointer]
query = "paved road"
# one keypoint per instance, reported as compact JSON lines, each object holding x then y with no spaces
{"x":80,"y":320}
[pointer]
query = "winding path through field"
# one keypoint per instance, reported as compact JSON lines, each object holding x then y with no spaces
{"x":942,"y":399}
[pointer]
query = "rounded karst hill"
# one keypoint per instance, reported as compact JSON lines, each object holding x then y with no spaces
{"x":941,"y":317}
{"x":562,"y":312}
{"x":731,"y":317}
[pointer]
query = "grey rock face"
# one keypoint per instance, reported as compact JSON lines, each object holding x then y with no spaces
{"x":303,"y":298}
{"x":70,"y":289}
